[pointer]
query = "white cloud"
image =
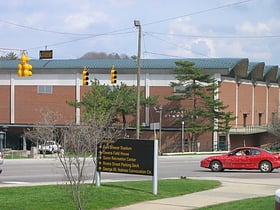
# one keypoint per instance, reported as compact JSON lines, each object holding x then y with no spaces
{"x":83,"y":16}
{"x":249,"y":28}
{"x":120,"y":4}
{"x":187,"y":36}
{"x":274,"y":25}
{"x":189,"y":46}
{"x":203,"y":46}
{"x":182,"y":26}
{"x":193,"y":44}
{"x":81,"y":21}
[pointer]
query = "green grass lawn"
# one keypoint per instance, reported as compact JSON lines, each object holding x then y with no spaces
{"x":261,"y":203}
{"x":109,"y":195}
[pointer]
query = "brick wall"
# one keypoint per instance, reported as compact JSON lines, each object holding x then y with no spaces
{"x":29,"y":104}
{"x":251,"y":101}
{"x":5,"y":104}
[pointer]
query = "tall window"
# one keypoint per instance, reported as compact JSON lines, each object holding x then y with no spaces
{"x":244,"y":119}
{"x":180,"y":90}
{"x":44,"y":89}
{"x":273,"y":118}
{"x":260,"y":118}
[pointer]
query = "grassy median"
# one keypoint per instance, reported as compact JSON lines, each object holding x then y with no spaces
{"x":107,"y":196}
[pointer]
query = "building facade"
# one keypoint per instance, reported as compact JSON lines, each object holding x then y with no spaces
{"x":250,"y":89}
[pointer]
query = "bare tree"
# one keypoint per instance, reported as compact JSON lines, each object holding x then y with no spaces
{"x":79,"y":142}
{"x":79,"y":149}
{"x":76,"y":147}
{"x":45,"y":130}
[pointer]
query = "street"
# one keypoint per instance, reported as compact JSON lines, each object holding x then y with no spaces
{"x":49,"y":170}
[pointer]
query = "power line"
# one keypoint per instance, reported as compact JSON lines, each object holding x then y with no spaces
{"x":159,"y":21}
{"x":5,"y":50}
{"x":162,"y":54}
{"x":84,"y":38}
{"x":200,"y":12}
{"x":176,"y":45}
{"x":10,"y":49}
{"x":42,"y":30}
{"x":119,"y":31}
{"x":60,"y":32}
{"x":218,"y":36}
{"x":154,"y":22}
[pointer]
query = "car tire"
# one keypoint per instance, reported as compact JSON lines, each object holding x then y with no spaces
{"x":265,"y":166}
{"x":216,"y":166}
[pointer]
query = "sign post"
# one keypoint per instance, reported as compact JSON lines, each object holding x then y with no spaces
{"x":155,"y":176}
{"x":98,"y":179}
{"x":129,"y":156}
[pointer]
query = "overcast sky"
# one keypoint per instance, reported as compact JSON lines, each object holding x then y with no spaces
{"x":170,"y":28}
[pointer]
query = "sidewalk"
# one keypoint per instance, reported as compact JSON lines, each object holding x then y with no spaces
{"x":231,"y":189}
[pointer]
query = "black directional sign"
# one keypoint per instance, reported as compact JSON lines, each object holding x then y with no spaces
{"x":46,"y":54}
{"x":129,"y":156}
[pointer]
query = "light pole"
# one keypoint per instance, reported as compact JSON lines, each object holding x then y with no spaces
{"x":138,"y":25}
{"x":183,"y":136}
{"x":159,"y":110}
{"x":160,"y":124}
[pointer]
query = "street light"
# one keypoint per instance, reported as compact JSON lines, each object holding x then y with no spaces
{"x":159,"y":109}
{"x":138,"y":25}
{"x":183,"y":136}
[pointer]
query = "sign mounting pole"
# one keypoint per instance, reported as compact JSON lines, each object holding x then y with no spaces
{"x":155,"y":176}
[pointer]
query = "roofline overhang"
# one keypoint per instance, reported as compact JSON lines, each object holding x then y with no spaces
{"x":255,"y":70}
{"x":270,"y":73}
{"x":241,"y":68}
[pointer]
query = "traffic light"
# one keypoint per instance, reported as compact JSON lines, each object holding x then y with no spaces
{"x":85,"y":76}
{"x":24,"y":68}
{"x":113,"y":75}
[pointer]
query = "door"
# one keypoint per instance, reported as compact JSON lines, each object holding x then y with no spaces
{"x":239,"y":160}
{"x":222,"y":143}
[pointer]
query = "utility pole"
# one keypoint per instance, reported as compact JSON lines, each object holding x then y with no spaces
{"x":138,"y":25}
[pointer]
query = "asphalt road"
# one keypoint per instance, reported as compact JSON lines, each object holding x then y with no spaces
{"x":49,"y":170}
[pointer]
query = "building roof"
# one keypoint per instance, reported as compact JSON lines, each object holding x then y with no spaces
{"x":270,"y":73}
{"x":207,"y":63}
{"x":255,"y":70}
{"x":234,"y":67}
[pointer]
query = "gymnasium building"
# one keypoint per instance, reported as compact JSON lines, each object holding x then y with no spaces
{"x":250,"y":89}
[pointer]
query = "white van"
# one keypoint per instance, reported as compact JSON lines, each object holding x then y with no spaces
{"x":48,"y":147}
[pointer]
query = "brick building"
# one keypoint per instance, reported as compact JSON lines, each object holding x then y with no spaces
{"x":250,"y":89}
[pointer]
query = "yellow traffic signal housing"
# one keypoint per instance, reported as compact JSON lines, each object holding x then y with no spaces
{"x":85,"y":76}
{"x":113,"y":75}
{"x":20,"y":70}
{"x":24,"y":68}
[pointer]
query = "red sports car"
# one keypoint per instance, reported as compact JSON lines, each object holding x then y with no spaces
{"x":243,"y":158}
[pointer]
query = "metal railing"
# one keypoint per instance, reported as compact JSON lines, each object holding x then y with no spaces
{"x":249,"y":129}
